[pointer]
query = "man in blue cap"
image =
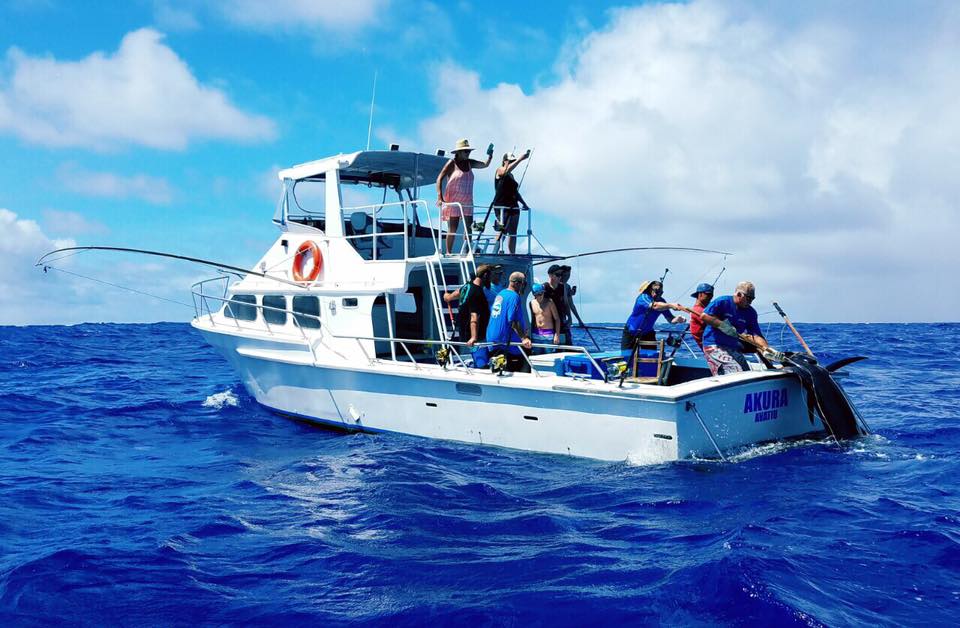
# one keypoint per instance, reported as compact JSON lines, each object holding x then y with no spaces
{"x":703,"y":294}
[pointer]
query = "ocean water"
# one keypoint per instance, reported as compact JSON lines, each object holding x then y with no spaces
{"x":140,"y":484}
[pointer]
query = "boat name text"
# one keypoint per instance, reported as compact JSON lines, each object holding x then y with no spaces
{"x":764,"y":404}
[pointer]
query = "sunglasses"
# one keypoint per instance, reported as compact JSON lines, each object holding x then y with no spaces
{"x":748,"y":297}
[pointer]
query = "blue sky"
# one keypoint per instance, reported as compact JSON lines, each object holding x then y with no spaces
{"x":817,"y":143}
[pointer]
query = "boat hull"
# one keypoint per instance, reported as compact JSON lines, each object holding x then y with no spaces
{"x":550,"y":414}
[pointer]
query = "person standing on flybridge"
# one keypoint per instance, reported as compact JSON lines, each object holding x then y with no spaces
{"x":456,"y":199}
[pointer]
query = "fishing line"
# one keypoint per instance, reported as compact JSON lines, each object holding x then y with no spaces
{"x":119,"y":287}
{"x":57,"y":259}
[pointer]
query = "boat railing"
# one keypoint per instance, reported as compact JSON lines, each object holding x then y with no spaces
{"x":372,"y":218}
{"x":202,"y":309}
{"x":460,"y":362}
{"x":481,"y":241}
{"x":488,"y":242}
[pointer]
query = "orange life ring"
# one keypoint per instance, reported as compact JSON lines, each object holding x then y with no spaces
{"x":309,"y":247}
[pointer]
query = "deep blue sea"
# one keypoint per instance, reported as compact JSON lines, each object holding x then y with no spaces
{"x":140,"y":484}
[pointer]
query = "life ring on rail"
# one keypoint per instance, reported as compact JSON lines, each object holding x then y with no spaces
{"x":305,"y":251}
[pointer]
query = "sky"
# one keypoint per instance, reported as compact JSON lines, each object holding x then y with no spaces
{"x":817,"y":142}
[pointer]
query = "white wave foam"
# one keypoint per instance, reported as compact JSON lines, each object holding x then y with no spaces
{"x":220,"y":399}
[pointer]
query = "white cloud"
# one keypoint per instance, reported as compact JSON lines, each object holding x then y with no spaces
{"x":21,"y":291}
{"x":59,"y":222}
{"x":110,"y":185}
{"x":143,"y":94}
{"x":174,"y":18}
{"x":331,"y":15}
{"x":68,"y":292}
{"x":812,"y":150}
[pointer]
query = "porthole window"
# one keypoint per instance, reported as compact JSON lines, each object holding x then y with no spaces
{"x":242,"y":307}
{"x":350,"y":302}
{"x":309,"y":306}
{"x":274,"y":316}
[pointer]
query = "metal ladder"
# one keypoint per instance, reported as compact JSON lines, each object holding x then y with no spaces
{"x":437,"y":281}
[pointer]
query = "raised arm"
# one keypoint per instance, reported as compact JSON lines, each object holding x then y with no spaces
{"x":513,"y":164}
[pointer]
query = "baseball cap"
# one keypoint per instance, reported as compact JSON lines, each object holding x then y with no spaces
{"x":704,"y":287}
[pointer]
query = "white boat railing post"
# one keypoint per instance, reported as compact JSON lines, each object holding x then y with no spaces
{"x":403,"y":345}
{"x":529,"y":231}
{"x":390,"y":311}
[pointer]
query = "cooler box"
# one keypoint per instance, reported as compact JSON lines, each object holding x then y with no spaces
{"x":581,"y":365}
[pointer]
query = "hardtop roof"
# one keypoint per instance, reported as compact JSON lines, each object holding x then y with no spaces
{"x":391,"y":168}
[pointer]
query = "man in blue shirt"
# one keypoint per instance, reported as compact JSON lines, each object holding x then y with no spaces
{"x":649,"y":306}
{"x":726,"y":319}
{"x":507,"y":326}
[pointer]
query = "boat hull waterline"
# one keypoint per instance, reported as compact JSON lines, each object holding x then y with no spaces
{"x":583,"y":418}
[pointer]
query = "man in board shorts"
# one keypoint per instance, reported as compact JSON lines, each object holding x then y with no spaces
{"x":726,"y":318}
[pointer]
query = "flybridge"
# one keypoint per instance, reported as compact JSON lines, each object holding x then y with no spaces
{"x":383,"y":168}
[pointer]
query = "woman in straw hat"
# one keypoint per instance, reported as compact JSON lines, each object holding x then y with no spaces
{"x":648,"y":307}
{"x":456,"y":199}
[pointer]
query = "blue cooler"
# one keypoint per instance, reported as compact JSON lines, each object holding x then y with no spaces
{"x":580,"y":365}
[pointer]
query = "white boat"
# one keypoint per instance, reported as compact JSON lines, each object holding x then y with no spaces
{"x":341,"y":323}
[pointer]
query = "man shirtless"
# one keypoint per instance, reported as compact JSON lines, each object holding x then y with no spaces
{"x":545,"y":318}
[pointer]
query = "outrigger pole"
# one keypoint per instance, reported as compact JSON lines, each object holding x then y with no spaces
{"x":43,"y":260}
{"x":630,"y":248}
{"x":793,"y":329}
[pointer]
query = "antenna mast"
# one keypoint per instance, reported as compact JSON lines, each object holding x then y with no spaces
{"x":373,"y":98}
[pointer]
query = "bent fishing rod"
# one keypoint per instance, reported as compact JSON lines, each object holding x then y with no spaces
{"x":44,"y":261}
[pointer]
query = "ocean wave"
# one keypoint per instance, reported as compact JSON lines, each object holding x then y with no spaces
{"x":218,"y":400}
{"x":126,"y":498}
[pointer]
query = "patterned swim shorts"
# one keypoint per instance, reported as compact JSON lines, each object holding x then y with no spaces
{"x":723,"y":361}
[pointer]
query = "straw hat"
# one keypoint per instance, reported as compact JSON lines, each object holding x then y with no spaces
{"x":646,"y":284}
{"x":463,"y":144}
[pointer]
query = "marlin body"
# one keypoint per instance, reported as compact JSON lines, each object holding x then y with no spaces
{"x":825,"y":397}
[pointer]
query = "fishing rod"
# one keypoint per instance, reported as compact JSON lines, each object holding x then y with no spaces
{"x":196,"y":260}
{"x":527,"y":165}
{"x":630,"y":248}
{"x":586,"y":329}
{"x":714,"y":284}
{"x":793,"y":329}
{"x":664,"y":275}
{"x":486,"y":216}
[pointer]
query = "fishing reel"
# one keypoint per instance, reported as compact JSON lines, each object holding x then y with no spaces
{"x":773,"y":355}
{"x":443,"y":356}
{"x":673,"y":341}
{"x":617,"y":370}
{"x":479,"y":226}
{"x":498,"y":363}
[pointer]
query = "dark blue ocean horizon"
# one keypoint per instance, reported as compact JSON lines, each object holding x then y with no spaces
{"x":140,"y":484}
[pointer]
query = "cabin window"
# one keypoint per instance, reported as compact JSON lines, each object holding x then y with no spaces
{"x":350,"y":302}
{"x":242,"y":307}
{"x":273,"y":316}
{"x":309,"y":306}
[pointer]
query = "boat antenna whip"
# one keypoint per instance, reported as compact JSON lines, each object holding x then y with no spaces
{"x":372,"y":99}
{"x":45,"y":261}
{"x":793,"y":329}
